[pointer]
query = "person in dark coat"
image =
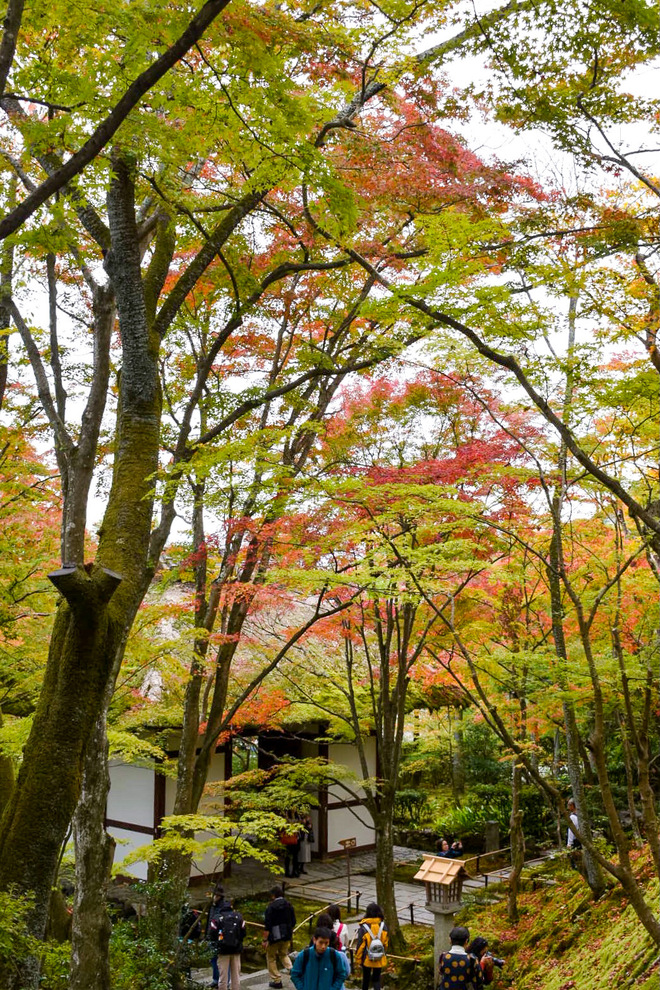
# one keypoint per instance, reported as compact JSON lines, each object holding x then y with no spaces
{"x":279,"y":923}
{"x":231,"y":929}
{"x":211,"y":932}
{"x":457,"y":968}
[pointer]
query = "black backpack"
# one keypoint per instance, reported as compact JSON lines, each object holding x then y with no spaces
{"x":230,"y":932}
{"x":333,"y":957}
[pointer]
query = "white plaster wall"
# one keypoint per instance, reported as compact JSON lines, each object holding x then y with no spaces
{"x":126,"y":842}
{"x":347,"y":823}
{"x":131,"y":797}
{"x":346,"y":754}
{"x":343,"y":824}
{"x":210,"y":803}
{"x":131,"y":800}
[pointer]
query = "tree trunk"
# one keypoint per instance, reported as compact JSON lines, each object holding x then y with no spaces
{"x":124,"y":542}
{"x":81,"y":655}
{"x":517,"y":843}
{"x":457,"y":760}
{"x":593,"y":872}
{"x":95,"y":849}
{"x":98,"y":606}
{"x":630,"y":784}
{"x":385,"y":878}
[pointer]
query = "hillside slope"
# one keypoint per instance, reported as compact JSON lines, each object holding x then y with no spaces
{"x":565,"y":941}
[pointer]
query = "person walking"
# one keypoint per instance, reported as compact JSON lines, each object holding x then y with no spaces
{"x":231,"y":933}
{"x":457,"y":968}
{"x":319,"y":967}
{"x":279,"y":923}
{"x":338,"y":926}
{"x":211,"y":932}
{"x":573,"y":844}
{"x":372,"y":942}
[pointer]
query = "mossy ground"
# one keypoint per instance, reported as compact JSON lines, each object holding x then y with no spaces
{"x":565,"y":941}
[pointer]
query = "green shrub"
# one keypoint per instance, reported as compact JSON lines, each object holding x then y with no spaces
{"x":411,"y":806}
{"x":481,"y":755}
{"x":538,"y":820}
{"x":55,"y":964}
{"x":15,"y":942}
{"x":136,"y":961}
{"x":467,"y":822}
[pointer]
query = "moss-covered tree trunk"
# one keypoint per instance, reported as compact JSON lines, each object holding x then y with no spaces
{"x":385,"y":878}
{"x":37,"y":817}
{"x":125,"y":540}
{"x":90,"y":934}
{"x":98,"y":602}
{"x":517,"y":842}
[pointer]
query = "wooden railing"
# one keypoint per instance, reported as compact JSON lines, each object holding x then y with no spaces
{"x":477,"y":860}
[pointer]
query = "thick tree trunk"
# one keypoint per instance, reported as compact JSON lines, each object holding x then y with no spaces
{"x":89,"y":628}
{"x":95,"y":849}
{"x":124,"y":542}
{"x":81,"y":655}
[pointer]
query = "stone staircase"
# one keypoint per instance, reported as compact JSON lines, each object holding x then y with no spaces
{"x":257,"y":980}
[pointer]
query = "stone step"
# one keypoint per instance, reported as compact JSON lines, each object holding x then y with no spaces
{"x":257,"y":980}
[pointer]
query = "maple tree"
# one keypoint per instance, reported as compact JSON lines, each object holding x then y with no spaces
{"x":401,"y":497}
{"x":562,"y":623}
{"x":30,"y":543}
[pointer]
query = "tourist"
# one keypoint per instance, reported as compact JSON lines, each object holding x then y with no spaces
{"x":372,"y":939}
{"x":279,"y":923}
{"x":572,"y":842}
{"x":478,"y":948}
{"x":457,"y":968}
{"x":443,"y":849}
{"x":211,"y":933}
{"x":319,"y":967}
{"x":230,"y":929}
{"x":290,"y":839}
{"x":338,"y":927}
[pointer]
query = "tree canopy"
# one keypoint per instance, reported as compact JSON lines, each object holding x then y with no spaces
{"x":302,"y":338}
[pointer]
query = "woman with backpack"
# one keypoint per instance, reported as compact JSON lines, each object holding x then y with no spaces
{"x":338,"y":927}
{"x":372,"y":940}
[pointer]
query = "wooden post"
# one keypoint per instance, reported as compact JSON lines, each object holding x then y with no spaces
{"x":348,"y":844}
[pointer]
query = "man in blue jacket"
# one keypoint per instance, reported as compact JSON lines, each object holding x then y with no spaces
{"x":319,"y":967}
